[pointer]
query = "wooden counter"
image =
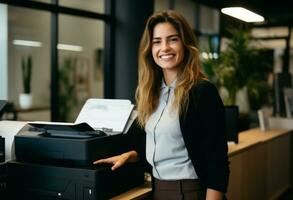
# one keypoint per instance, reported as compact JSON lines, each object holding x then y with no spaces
{"x":259,"y":167}
{"x":249,"y":138}
{"x":260,"y":164}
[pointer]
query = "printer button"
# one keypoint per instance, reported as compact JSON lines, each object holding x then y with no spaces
{"x":88,"y":193}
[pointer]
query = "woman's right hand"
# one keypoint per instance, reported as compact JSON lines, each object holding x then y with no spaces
{"x":119,"y":160}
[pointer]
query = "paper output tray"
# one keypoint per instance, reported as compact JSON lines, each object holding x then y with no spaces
{"x":82,"y":130}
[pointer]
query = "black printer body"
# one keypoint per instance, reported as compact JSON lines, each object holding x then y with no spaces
{"x":55,"y":162}
{"x":78,"y":145}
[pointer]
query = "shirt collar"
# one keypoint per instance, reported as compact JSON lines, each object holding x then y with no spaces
{"x":172,"y":85}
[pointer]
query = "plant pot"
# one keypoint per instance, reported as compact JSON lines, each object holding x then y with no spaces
{"x":25,"y":100}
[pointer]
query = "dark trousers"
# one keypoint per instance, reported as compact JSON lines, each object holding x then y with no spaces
{"x":178,"y":190}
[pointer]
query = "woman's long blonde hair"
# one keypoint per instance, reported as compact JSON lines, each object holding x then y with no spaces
{"x":150,"y":74}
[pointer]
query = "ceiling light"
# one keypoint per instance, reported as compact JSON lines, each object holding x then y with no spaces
{"x":69,"y":47}
{"x":242,"y":14}
{"x":30,"y":43}
{"x":27,"y":43}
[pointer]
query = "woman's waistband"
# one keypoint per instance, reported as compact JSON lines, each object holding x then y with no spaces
{"x":185,"y":184}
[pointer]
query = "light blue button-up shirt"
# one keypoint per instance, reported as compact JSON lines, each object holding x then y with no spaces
{"x":165,"y":147}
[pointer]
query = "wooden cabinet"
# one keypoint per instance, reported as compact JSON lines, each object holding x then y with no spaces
{"x":278,"y":166}
{"x":261,"y":170}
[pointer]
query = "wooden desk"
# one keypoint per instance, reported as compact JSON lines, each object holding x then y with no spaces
{"x":259,"y":166}
{"x":249,"y":138}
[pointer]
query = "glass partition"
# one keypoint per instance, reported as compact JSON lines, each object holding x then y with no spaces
{"x":88,"y":5}
{"x":29,"y":38}
{"x":81,"y":74}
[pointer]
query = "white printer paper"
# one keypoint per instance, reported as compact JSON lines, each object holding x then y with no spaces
{"x":130,"y":120}
{"x":109,"y":115}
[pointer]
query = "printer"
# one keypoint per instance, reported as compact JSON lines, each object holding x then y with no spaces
{"x":55,"y":162}
{"x":77,"y":144}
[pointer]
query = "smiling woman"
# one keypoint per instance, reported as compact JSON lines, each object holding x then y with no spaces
{"x":180,"y":128}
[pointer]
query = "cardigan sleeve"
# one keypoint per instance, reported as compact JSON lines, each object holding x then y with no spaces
{"x":205,"y":136}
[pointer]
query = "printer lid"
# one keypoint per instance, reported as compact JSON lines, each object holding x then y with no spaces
{"x":81,"y":130}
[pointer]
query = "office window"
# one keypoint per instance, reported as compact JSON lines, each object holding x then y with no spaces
{"x":96,"y":6}
{"x":80,"y":49}
{"x":88,"y":14}
{"x":88,"y":5}
{"x":29,"y":36}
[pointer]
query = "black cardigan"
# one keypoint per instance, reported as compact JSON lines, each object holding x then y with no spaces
{"x":203,"y":131}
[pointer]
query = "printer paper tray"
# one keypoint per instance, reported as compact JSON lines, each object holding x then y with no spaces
{"x":35,"y":181}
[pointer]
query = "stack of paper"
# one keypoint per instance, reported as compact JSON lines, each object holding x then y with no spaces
{"x":109,"y":115}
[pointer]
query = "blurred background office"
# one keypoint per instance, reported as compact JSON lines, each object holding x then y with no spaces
{"x":62,"y":52}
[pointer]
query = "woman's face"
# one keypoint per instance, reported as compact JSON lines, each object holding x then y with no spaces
{"x":167,"y":47}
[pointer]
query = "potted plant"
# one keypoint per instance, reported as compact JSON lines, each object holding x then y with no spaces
{"x":242,"y":71}
{"x":67,"y":89}
{"x":25,"y":98}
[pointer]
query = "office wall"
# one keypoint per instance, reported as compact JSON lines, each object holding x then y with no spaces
{"x":276,"y":40}
{"x":209,"y":20}
{"x":188,"y":9}
{"x":160,"y":5}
